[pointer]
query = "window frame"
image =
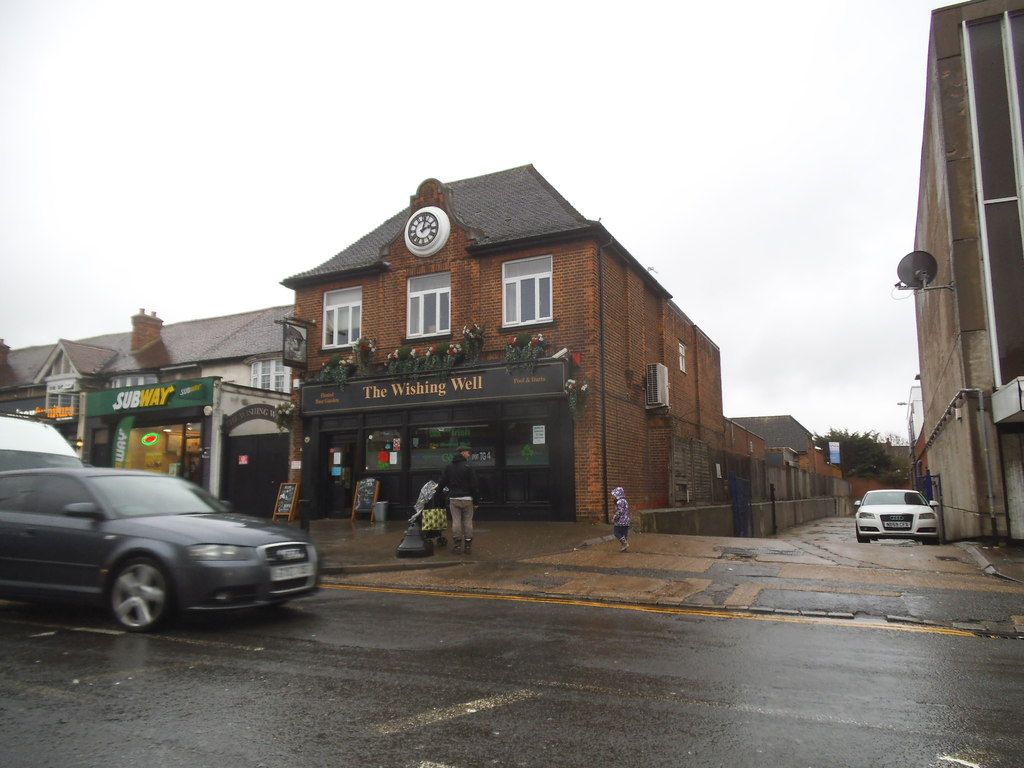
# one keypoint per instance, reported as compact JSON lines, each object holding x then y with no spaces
{"x":682,"y":357}
{"x":331,"y":324}
{"x":442,"y":300}
{"x":515,"y":284}
{"x":279,"y":375}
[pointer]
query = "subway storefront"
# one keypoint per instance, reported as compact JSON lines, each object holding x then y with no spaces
{"x":402,"y":431}
{"x":156,"y":427}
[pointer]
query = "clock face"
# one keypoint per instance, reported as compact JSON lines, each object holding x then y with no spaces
{"x":423,"y":228}
{"x":427,"y":231}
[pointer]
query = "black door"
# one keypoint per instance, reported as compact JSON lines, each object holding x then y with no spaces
{"x":256,"y":467}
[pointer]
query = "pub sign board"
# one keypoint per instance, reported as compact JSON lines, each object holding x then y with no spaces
{"x":475,"y":385}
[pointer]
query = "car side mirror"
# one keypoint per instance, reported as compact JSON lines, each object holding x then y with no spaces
{"x":84,"y":509}
{"x":933,"y":504}
{"x":856,"y":503}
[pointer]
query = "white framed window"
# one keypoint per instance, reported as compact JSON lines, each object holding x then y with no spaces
{"x":527,"y":291}
{"x":430,"y":300}
{"x":343,"y":311}
{"x":270,"y":374}
{"x":132,"y":380}
{"x":682,"y":357}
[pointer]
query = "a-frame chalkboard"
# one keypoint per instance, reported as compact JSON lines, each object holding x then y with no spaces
{"x":365,"y":496}
{"x":287,"y":502}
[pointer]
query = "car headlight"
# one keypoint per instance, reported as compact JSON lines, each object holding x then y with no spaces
{"x":219,"y":552}
{"x":926,"y":516}
{"x":866,"y":515}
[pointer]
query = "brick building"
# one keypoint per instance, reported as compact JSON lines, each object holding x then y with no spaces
{"x":560,"y":302}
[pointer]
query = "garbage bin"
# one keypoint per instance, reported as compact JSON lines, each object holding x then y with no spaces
{"x":380,"y":511}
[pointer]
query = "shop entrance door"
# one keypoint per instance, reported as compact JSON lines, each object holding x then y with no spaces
{"x":337,"y":466}
{"x":256,"y":467}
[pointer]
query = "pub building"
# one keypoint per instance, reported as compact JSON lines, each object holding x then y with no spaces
{"x":491,"y":313}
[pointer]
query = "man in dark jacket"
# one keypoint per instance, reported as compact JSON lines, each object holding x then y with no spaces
{"x":463,"y":497}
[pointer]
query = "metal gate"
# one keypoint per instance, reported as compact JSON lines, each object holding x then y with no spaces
{"x":742,"y":512}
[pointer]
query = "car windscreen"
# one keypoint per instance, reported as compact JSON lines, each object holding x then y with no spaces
{"x":894,"y":497}
{"x":32,"y":460}
{"x":140,"y":496}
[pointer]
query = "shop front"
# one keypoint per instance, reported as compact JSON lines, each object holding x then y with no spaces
{"x":157,"y":427}
{"x":402,"y":432}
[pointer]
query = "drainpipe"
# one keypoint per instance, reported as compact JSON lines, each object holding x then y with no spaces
{"x":988,"y":459}
{"x":604,"y":376}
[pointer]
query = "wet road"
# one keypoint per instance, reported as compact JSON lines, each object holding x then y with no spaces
{"x":357,"y":677}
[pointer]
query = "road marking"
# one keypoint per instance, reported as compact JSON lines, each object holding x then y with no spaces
{"x":959,"y":762}
{"x":450,"y":713}
{"x":671,"y":610}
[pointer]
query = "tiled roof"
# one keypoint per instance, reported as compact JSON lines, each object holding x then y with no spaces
{"x":500,"y":207}
{"x":192,"y":341}
{"x":777,"y":431}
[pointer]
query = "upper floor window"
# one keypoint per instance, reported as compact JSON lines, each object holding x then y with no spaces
{"x":343,"y":312}
{"x":527,"y":290}
{"x":682,"y":357}
{"x":270,"y":374}
{"x":132,"y":380}
{"x":430,"y":298}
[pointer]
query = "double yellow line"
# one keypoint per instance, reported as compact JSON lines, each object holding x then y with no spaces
{"x":675,"y":611}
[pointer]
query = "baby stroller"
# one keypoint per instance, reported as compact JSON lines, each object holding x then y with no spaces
{"x":430,"y":513}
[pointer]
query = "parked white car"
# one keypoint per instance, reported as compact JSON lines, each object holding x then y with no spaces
{"x":897,"y":513}
{"x":26,"y":443}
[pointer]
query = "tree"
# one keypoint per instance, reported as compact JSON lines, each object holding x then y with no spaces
{"x":864,"y":455}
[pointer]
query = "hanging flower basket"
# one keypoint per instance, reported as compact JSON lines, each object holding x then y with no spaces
{"x":523,"y":350}
{"x":473,"y":341}
{"x":577,"y":394}
{"x":365,"y":349}
{"x":284,"y":415}
{"x":404,"y":361}
{"x":338,"y":370}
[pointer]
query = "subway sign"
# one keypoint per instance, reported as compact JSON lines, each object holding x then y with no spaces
{"x":150,"y":397}
{"x":476,"y":385}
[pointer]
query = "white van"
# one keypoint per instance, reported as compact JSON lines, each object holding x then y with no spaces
{"x":29,"y":444}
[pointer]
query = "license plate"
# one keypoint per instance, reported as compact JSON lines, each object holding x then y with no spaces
{"x":298,"y":571}
{"x":898,"y":525}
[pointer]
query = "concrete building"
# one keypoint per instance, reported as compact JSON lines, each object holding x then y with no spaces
{"x":970,"y":322}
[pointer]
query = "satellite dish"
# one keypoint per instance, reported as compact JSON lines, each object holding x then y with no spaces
{"x":917,"y":269}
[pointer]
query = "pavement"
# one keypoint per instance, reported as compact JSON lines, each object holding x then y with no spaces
{"x":816,"y":569}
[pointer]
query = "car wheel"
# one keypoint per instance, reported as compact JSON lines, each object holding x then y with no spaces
{"x":140,"y":595}
{"x":863,"y":539}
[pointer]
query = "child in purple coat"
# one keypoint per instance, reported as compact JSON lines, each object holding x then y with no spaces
{"x":621,"y":519}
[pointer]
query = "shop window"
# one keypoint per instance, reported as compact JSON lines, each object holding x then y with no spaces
{"x":527,"y":291}
{"x":168,"y":449}
{"x":270,"y":374}
{"x":433,"y":447}
{"x":430,"y":304}
{"x":526,"y":444}
{"x":383,"y":450}
{"x":342,"y":317}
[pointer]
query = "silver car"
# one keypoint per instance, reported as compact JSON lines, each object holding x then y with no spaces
{"x":145,"y":545}
{"x":896,"y":513}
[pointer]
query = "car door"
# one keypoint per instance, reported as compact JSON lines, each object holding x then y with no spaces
{"x":16,"y":505}
{"x":59,"y":555}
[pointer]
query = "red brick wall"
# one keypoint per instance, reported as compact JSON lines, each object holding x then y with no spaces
{"x":640,"y":326}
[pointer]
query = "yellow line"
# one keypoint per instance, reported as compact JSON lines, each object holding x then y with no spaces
{"x":661,"y":609}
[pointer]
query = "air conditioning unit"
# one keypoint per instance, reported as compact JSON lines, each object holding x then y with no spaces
{"x":657,"y":385}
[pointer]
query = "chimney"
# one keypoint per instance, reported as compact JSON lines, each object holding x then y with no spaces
{"x":4,"y":349}
{"x":145,"y":329}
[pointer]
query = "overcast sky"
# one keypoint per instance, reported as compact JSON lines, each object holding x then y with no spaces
{"x":761,"y":158}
